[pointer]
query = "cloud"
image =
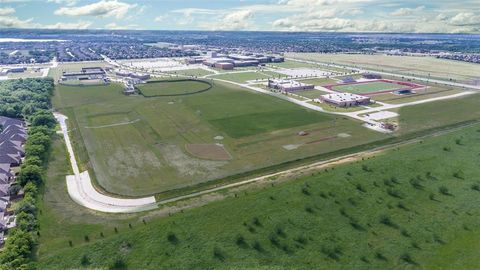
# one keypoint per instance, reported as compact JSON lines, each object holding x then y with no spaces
{"x":407,"y":11}
{"x":114,"y":26}
{"x":465,"y":19}
{"x":104,"y":8}
{"x":330,"y":24}
{"x":228,"y":20}
{"x":6,"y":11}
{"x":159,"y":19}
{"x":60,"y":25}
{"x":63,"y":2}
{"x":14,"y":22}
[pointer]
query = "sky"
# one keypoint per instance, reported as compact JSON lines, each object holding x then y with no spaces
{"x":413,"y":16}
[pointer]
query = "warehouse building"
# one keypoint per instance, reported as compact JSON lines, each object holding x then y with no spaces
{"x":344,"y":99}
{"x":6,"y":71}
{"x":132,"y":75}
{"x":88,"y":73}
{"x":289,"y":85}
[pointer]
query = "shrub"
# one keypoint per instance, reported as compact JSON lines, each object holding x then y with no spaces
{"x":444,"y":190}
{"x":84,"y":261}
{"x":172,"y":238}
{"x":387,"y":221}
{"x":218,"y":254}
{"x":395,"y":193}
{"x":241,"y":242}
{"x":257,"y":246}
{"x":408,"y":259}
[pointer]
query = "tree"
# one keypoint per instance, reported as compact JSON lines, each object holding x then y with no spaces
{"x":43,"y":118}
{"x":39,"y":139}
{"x":32,"y":160}
{"x":26,"y":221}
{"x":34,"y":150}
{"x":30,"y":173}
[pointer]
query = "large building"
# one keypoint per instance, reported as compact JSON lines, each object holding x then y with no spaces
{"x":344,"y":99}
{"x":6,"y":71}
{"x":214,"y":59}
{"x":88,"y":73}
{"x":132,"y":75}
{"x":289,"y":85}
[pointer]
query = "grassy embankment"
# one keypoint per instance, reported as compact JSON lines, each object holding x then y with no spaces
{"x":408,"y":208}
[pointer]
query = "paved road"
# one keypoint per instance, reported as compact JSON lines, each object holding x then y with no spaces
{"x":82,"y":191}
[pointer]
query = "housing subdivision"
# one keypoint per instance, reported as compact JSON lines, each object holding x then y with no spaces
{"x":231,"y":61}
{"x":12,"y":140}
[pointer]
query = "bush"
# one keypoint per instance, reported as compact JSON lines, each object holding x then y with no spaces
{"x":444,"y":190}
{"x":218,"y":254}
{"x":30,"y":173}
{"x":241,"y":242}
{"x":172,"y":238}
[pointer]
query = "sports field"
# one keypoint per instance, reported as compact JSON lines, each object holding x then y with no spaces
{"x":407,"y":65}
{"x":242,"y":77}
{"x":136,"y":146}
{"x":173,"y":87}
{"x":370,"y":214}
{"x":366,"y":88}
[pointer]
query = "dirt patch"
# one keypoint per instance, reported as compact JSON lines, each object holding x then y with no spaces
{"x":189,"y":166}
{"x":131,"y":162}
{"x":208,"y":151}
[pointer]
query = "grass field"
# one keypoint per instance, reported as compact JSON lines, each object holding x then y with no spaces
{"x":147,"y":154}
{"x":197,"y":72}
{"x":410,"y":208}
{"x":407,"y":65}
{"x":365,"y":88}
{"x":319,"y":81}
{"x":445,"y":112}
{"x":243,"y":76}
{"x":172,"y":87}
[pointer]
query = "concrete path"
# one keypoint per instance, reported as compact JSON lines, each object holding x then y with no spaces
{"x":82,"y":191}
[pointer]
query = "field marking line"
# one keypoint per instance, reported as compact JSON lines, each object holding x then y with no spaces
{"x":82,"y":191}
{"x":117,"y":124}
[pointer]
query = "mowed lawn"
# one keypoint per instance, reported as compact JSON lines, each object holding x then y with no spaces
{"x":172,"y":87}
{"x":365,"y":88}
{"x":134,"y":146}
{"x":415,"y":207}
{"x":241,"y":77}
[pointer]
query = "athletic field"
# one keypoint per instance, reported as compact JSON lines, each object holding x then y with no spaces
{"x":173,"y":87}
{"x":136,"y":146}
{"x":367,"y":88}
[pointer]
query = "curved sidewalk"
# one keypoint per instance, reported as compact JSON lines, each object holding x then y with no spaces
{"x":81,"y":190}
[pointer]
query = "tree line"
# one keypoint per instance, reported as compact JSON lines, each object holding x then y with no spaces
{"x":27,"y":99}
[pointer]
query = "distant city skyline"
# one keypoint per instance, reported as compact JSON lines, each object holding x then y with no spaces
{"x":440,"y":16}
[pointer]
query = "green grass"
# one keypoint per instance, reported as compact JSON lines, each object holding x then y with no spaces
{"x":242,"y":76}
{"x":319,"y":81}
{"x":414,"y":207}
{"x":370,"y":87}
{"x":172,"y":87}
{"x":444,"y":112}
{"x":147,"y":154}
{"x":242,"y":125}
{"x":197,"y":72}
